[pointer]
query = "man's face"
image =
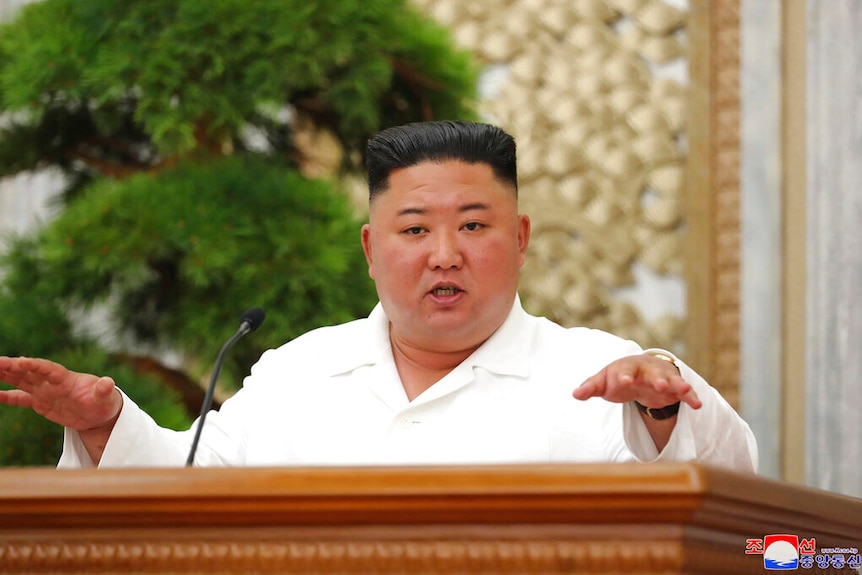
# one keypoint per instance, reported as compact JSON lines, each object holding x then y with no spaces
{"x":444,"y":246}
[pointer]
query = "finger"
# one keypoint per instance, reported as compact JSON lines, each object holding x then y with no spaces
{"x":12,"y":373}
{"x":16,"y":398}
{"x":660,"y":384}
{"x":43,"y":370}
{"x":7,"y":365}
{"x":104,"y":387}
{"x":591,"y":387}
{"x":31,"y":372}
{"x":622,"y":385}
{"x":625,"y":377}
{"x":686,"y":393}
{"x":108,"y":401}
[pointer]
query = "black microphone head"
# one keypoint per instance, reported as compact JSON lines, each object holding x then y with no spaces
{"x":253,"y":318}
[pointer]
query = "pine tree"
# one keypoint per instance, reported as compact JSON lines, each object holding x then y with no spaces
{"x":177,"y":124}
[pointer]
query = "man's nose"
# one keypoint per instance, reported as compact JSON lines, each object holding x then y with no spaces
{"x":446,"y":252}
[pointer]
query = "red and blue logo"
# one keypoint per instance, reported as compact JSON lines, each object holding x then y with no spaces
{"x":784,"y":552}
{"x":780,"y":552}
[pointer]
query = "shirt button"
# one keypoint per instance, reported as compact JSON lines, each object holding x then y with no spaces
{"x":403,"y":421}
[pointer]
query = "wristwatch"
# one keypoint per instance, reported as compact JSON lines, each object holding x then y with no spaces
{"x":659,"y":413}
{"x":668,"y":411}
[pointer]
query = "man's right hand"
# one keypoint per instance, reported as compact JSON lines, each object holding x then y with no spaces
{"x":80,"y":401}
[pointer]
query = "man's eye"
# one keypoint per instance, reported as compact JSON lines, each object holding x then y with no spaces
{"x":414,"y":231}
{"x":472,"y":226}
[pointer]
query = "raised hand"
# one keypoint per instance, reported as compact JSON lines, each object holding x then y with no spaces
{"x":77,"y":400}
{"x":646,"y":379}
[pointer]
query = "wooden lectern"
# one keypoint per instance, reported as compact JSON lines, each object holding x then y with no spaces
{"x":617,"y":518}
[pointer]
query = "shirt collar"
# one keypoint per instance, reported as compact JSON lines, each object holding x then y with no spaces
{"x":366,"y":343}
{"x":506,"y":352}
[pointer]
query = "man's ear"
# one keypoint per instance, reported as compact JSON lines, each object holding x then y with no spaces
{"x":523,"y":235}
{"x":365,"y":238}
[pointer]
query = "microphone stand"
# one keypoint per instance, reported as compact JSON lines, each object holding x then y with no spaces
{"x":251,"y":321}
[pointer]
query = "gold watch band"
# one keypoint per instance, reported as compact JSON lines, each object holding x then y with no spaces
{"x":663,"y":355}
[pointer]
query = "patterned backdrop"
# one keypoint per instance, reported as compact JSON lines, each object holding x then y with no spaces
{"x":594,"y":92}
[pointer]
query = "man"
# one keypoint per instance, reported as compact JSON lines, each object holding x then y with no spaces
{"x":448,"y":367}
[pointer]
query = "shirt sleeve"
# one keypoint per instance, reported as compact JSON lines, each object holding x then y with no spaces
{"x":715,"y":434}
{"x":136,"y":441}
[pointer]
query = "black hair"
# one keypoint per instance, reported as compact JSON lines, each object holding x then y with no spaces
{"x":441,"y":141}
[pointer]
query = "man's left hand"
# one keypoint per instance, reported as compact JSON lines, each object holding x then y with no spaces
{"x":648,"y":380}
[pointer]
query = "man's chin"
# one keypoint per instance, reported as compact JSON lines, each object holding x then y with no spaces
{"x":454,"y":337}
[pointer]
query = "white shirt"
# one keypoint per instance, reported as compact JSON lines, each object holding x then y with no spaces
{"x":333,"y":397}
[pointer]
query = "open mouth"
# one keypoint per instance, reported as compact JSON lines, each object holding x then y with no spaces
{"x":444,"y":291}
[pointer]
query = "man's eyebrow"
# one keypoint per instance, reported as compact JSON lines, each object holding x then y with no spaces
{"x":413,"y":211}
{"x":474,"y":206}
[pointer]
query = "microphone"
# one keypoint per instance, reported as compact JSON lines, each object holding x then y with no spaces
{"x":251,"y":320}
